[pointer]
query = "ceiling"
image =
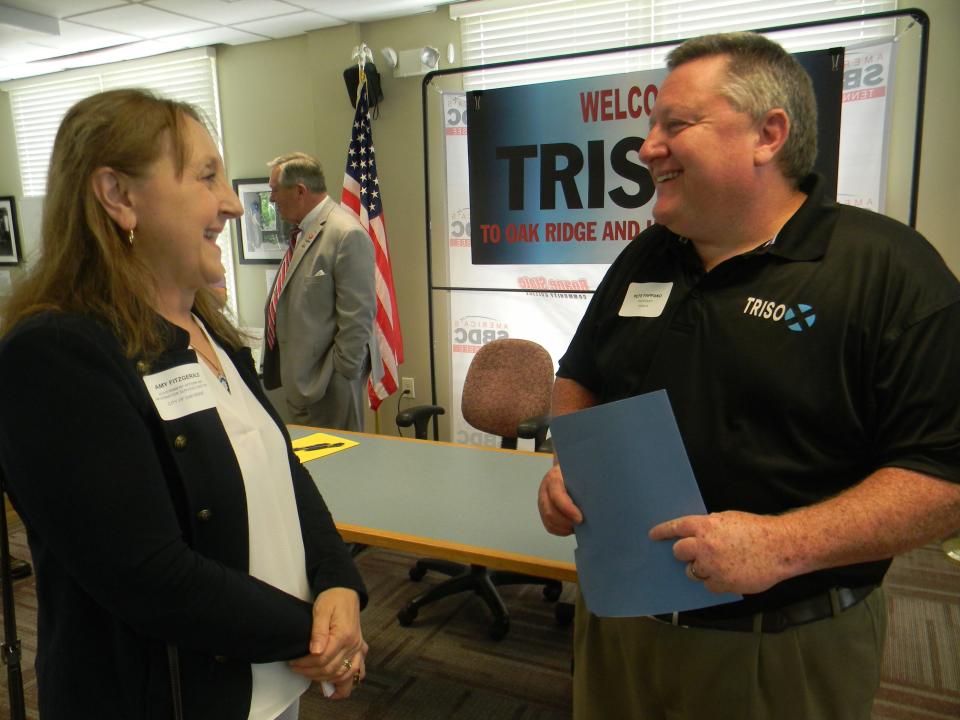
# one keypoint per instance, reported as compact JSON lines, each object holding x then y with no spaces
{"x":44,"y":36}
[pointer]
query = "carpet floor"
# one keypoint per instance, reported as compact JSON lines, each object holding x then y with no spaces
{"x":445,"y":666}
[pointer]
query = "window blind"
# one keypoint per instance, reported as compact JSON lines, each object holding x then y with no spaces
{"x":493,"y":31}
{"x":37,"y":112}
{"x":38,"y":105}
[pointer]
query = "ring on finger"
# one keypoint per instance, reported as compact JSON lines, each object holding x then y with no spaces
{"x":356,"y":679}
{"x":692,"y":571}
{"x":347,"y":665}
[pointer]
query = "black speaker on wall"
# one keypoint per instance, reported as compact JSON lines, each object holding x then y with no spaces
{"x":351,"y":76}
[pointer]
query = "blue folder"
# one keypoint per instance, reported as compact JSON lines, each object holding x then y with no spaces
{"x":625,"y":467}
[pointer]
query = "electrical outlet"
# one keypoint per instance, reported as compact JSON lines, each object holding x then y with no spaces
{"x":406,"y":387}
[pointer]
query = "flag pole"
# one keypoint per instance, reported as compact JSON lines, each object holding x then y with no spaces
{"x":361,"y":195}
{"x":362,"y":80}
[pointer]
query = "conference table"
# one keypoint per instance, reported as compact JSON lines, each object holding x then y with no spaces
{"x":463,"y":503}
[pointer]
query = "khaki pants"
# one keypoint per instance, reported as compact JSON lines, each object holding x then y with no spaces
{"x":644,"y":669}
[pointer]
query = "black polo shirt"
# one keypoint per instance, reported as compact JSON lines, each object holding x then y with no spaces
{"x":794,"y":370}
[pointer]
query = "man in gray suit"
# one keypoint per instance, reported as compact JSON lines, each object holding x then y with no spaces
{"x":318,"y":330}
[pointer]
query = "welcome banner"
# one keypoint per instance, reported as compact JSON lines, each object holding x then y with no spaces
{"x":581,"y":168}
{"x":555,"y":174}
{"x":462,"y":272}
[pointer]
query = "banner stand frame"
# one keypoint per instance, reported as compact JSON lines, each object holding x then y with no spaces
{"x":919,"y":17}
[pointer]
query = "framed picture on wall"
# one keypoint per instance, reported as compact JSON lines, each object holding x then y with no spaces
{"x":260,"y":233}
{"x":9,"y":232}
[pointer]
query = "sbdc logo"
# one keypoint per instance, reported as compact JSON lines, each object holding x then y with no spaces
{"x":460,"y":228}
{"x":472,"y":332}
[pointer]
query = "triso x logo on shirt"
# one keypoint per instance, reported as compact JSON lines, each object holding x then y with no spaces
{"x":798,"y":317}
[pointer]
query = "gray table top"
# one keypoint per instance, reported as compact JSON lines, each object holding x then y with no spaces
{"x":483,"y":498}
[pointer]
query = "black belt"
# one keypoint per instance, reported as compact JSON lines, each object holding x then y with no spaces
{"x":816,"y":608}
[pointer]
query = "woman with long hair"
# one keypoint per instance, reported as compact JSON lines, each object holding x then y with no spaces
{"x":186,"y":564}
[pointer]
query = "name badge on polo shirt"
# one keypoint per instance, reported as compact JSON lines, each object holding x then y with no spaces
{"x":645,"y":299}
{"x":179,"y":391}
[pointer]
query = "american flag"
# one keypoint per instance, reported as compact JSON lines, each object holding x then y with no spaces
{"x":361,"y":195}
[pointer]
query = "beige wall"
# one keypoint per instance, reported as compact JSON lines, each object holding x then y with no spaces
{"x":9,"y":173}
{"x":939,"y":200}
{"x":289,"y":94}
{"x":271,"y":105}
{"x":399,"y":142}
{"x":301,"y":103}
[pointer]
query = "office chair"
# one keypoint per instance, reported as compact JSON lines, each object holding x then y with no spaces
{"x":507,"y":393}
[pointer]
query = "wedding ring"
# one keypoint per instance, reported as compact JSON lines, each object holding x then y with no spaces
{"x":356,"y":679}
{"x":693,"y":573}
{"x":347,"y":665}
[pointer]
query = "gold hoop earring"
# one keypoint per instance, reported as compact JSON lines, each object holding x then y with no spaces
{"x":130,"y":237}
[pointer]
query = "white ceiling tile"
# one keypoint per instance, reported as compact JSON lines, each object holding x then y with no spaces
{"x":287,"y":25}
{"x":225,"y":13}
{"x":11,"y":37}
{"x":88,"y":25}
{"x":354,"y":11}
{"x":215,"y":36}
{"x":22,"y":52}
{"x":140,"y":20}
{"x":22,"y":70}
{"x":131,"y":51}
{"x":61,"y":8}
{"x":79,"y":38}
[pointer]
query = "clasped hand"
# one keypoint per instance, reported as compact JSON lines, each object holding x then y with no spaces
{"x":337,"y":648}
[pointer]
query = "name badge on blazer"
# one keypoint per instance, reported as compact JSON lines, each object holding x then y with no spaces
{"x":179,"y":391}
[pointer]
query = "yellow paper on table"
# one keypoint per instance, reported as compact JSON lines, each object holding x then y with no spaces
{"x":319,"y":445}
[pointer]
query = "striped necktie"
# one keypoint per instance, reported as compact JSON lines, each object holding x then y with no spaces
{"x":278,"y":288}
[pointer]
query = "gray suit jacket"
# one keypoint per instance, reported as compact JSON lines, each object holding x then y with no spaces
{"x":326,"y":310}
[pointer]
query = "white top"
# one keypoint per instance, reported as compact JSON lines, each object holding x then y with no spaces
{"x":276,"y":543}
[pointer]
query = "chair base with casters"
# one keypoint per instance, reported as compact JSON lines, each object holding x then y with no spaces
{"x":506,"y":392}
{"x":480,"y":580}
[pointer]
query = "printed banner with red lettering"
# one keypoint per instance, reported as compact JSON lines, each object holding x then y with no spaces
{"x":865,"y":130}
{"x":597,"y":127}
{"x":555,"y":170}
{"x":462,"y":272}
{"x":561,"y":176}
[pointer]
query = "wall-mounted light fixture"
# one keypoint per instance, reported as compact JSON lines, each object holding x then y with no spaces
{"x":418,"y":61}
{"x":390,"y":55}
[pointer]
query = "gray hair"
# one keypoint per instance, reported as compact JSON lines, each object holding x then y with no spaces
{"x":299,"y":167}
{"x":761,"y":76}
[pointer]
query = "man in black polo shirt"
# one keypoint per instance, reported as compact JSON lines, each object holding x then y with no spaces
{"x":810,"y":353}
